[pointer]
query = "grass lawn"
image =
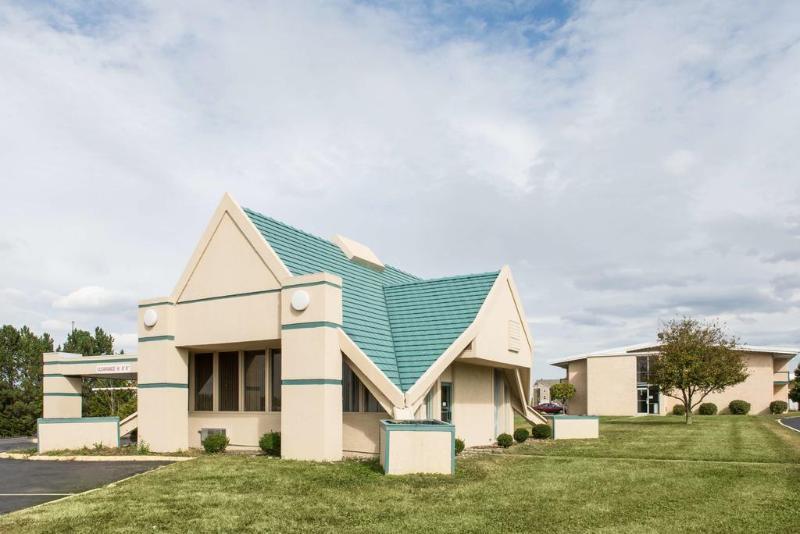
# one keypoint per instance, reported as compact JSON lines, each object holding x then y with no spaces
{"x":650,"y":474}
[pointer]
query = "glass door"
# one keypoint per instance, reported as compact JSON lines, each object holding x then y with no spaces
{"x":447,"y":402}
{"x":641,"y":399}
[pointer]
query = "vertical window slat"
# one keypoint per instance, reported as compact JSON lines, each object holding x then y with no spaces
{"x":254,"y":381}
{"x":228,"y":381}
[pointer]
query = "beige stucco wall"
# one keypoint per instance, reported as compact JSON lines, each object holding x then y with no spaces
{"x":492,"y":340}
{"x":576,"y":375}
{"x":611,"y":385}
{"x":417,"y":452}
{"x":77,"y":434}
{"x":474,"y":406}
{"x":575,"y":428}
{"x":228,"y":265}
{"x":244,"y":429}
{"x":361,"y":432}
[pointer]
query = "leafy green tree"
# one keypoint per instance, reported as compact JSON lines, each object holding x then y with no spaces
{"x":794,"y":388}
{"x":101,"y":402}
{"x":21,"y":379}
{"x":695,"y":359}
{"x":562,"y":392}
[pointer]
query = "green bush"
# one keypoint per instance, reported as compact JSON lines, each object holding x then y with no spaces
{"x":778,"y":407}
{"x":505,"y":440}
{"x":215,"y":443}
{"x":739,"y":407}
{"x":679,"y":409}
{"x":271,"y":443}
{"x":541,"y":431}
{"x":707,"y":408}
{"x":521,"y":435}
{"x":459,"y":446}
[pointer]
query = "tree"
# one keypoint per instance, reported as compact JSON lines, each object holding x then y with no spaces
{"x":100,"y":402}
{"x":21,"y":379}
{"x":794,"y":388}
{"x":695,"y":359}
{"x":562,"y":392}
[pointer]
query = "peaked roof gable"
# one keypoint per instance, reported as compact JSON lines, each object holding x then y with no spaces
{"x":401,"y":322}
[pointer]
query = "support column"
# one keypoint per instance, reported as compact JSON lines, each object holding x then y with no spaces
{"x":62,"y":394}
{"x":163,"y":380}
{"x":311,"y":374}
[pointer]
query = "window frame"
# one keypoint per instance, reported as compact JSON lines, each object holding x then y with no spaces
{"x":215,"y":381}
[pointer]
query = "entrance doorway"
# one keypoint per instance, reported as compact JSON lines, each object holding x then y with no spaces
{"x":447,"y":402}
{"x":647,"y":398}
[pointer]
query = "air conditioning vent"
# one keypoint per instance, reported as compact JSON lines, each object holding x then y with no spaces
{"x":205,"y":432}
{"x":514,"y":336}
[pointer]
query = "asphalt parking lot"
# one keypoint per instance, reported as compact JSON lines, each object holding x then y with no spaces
{"x":793,"y":422}
{"x":24,"y":483}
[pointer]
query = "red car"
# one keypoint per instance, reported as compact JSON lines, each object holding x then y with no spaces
{"x":549,"y":407}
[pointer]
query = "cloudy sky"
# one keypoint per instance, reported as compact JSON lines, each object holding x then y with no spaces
{"x":630,"y":161}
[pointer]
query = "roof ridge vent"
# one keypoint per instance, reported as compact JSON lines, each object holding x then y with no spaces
{"x":358,"y":252}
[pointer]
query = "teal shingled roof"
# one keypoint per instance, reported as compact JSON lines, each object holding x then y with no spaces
{"x":402,"y":323}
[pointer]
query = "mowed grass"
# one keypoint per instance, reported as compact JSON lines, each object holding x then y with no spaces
{"x":574,"y":486}
{"x":727,"y":438}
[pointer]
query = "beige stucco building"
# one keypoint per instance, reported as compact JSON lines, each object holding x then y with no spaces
{"x":270,"y":328}
{"x":614,"y":382}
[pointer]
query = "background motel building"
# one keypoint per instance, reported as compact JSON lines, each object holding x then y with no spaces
{"x":270,"y":328}
{"x":614,"y":382}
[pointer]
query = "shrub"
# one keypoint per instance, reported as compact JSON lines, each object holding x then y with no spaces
{"x":679,"y":409}
{"x":521,"y":435}
{"x":271,"y":443}
{"x":142,"y":447}
{"x":739,"y":407}
{"x":459,"y":446}
{"x":541,"y":431}
{"x":215,"y":443}
{"x":778,"y":407}
{"x":707,"y":408}
{"x":505,"y":440}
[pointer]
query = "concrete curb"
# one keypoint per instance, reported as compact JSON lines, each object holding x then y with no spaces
{"x":77,"y":458}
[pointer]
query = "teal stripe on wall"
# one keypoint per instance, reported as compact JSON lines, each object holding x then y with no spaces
{"x":81,"y":361}
{"x":311,"y":284}
{"x":231,"y":296}
{"x":163,"y":303}
{"x":311,"y":382}
{"x":55,"y":420}
{"x":47,"y":375}
{"x":155,"y":338}
{"x":313,"y":324}
{"x":163,"y":385}
{"x":62,"y":394}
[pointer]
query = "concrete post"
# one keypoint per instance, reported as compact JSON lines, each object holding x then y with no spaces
{"x":62,"y":394}
{"x":311,"y":375}
{"x":163,"y":381}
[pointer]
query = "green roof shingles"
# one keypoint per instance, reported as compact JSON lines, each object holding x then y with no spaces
{"x":402,"y":323}
{"x":427,"y":316}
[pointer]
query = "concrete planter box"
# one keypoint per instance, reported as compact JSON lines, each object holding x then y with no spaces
{"x":426,"y":446}
{"x":77,"y":432}
{"x":575,"y":426}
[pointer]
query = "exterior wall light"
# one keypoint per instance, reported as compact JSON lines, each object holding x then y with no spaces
{"x":150,"y":318}
{"x":300,"y":300}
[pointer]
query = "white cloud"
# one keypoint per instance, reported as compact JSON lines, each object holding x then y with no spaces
{"x":638,"y":159}
{"x":95,"y":299}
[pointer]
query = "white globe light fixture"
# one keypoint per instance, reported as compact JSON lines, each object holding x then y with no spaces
{"x":300,"y":300}
{"x":150,"y":318}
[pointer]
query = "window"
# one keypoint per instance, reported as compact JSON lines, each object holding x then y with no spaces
{"x":228,"y":381}
{"x":254,"y":381}
{"x":350,"y":387}
{"x":275,"y":380}
{"x":643,"y":369}
{"x":204,"y":382}
{"x":371,"y":404}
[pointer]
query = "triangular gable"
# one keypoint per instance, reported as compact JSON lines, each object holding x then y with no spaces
{"x":230,"y":258}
